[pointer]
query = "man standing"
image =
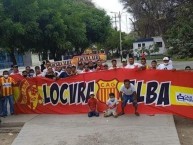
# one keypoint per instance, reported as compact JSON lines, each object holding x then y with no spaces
{"x":114,"y":64}
{"x":128,"y":93}
{"x":131,"y":64}
{"x":6,"y":85}
{"x":144,"y":65}
{"x":15,"y":70}
{"x":124,"y":63}
{"x":153,"y":64}
{"x":99,"y":66}
{"x":165,"y":65}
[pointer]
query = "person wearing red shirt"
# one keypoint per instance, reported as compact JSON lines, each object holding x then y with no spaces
{"x":92,"y":104}
{"x":143,"y":55}
{"x":99,"y":66}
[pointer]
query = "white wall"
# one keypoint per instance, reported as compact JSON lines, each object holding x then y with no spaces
{"x":162,"y":49}
{"x":135,"y":46}
{"x":27,"y":60}
{"x":35,"y":59}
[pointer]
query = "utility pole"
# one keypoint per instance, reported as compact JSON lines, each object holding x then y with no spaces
{"x":120,"y":36}
{"x":126,"y":24}
{"x":115,"y":21}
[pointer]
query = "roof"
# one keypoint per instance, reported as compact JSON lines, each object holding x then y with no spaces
{"x":144,"y":40}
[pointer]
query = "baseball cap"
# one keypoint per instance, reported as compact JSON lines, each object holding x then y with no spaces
{"x":91,"y":93}
{"x":165,"y":58}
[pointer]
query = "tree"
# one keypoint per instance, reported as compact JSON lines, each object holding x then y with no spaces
{"x":17,"y":18}
{"x":57,"y":26}
{"x":152,"y":17}
{"x":181,"y":33}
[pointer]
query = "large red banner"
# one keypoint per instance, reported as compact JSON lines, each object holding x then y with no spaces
{"x":159,"y":92}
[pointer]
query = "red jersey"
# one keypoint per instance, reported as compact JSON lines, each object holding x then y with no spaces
{"x":101,"y":67}
{"x":92,"y":103}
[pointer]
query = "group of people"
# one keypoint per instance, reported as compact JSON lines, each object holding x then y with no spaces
{"x":127,"y":94}
{"x":57,"y":72}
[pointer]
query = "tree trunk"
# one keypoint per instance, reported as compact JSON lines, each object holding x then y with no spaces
{"x":12,"y":55}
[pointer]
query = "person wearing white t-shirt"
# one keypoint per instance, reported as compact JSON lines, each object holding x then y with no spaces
{"x":124,"y":63}
{"x":48,"y":64}
{"x":165,"y":65}
{"x":15,"y":70}
{"x":86,"y":69}
{"x":128,"y":93}
{"x":112,"y":106}
{"x":132,"y":64}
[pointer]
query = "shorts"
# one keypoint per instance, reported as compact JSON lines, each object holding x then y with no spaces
{"x":127,"y":98}
{"x":109,"y":112}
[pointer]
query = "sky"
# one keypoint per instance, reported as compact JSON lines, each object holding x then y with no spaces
{"x":115,"y":6}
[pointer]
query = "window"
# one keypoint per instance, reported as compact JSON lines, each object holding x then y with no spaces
{"x":139,"y":45}
{"x":159,"y":44}
{"x":143,"y":44}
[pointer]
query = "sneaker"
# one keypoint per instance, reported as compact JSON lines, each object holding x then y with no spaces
{"x":3,"y":116}
{"x":121,"y":113}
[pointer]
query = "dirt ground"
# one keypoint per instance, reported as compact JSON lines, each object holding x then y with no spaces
{"x":184,"y":128}
{"x":7,"y":138}
{"x":8,"y":132}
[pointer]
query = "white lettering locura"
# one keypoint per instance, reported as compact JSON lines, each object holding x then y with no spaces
{"x":74,"y":93}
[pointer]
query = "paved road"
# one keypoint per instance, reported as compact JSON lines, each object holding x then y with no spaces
{"x":179,"y":65}
{"x":81,"y":130}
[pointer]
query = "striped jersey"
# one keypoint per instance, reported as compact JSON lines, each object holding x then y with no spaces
{"x":6,"y":85}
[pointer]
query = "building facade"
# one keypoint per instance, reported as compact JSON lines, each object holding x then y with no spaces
{"x":22,"y":59}
{"x":149,"y":43}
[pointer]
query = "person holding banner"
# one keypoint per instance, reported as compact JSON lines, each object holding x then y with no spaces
{"x":132,"y":64}
{"x":124,"y":63}
{"x":73,"y":70}
{"x":50,"y":73}
{"x":143,"y":64}
{"x":48,"y":65}
{"x":128,"y":93}
{"x":165,"y":65}
{"x":86,"y":69}
{"x":99,"y":66}
{"x":153,"y":64}
{"x":38,"y":72}
{"x":114,"y":64}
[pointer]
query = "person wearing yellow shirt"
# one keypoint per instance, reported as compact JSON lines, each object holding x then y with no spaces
{"x":6,"y":89}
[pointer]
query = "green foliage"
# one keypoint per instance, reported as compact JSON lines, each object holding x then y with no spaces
{"x":113,"y":41}
{"x":150,"y":51}
{"x":51,"y":25}
{"x":171,"y":19}
{"x":180,"y":35}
